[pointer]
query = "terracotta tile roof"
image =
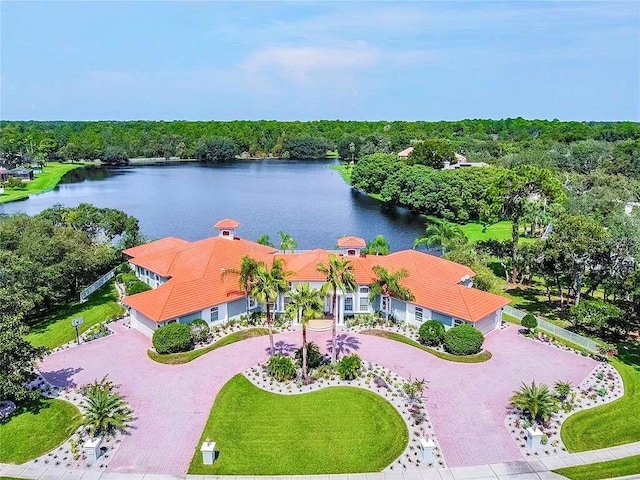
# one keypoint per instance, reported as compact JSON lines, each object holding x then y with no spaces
{"x":195,"y":271}
{"x":227,"y":223}
{"x":155,"y":247}
{"x":351,"y":242}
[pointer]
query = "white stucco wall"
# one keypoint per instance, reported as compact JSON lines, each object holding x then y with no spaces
{"x":411,"y":313}
{"x":142,"y":323}
{"x":490,"y":322}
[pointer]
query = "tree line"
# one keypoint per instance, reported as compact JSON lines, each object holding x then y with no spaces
{"x":547,"y":142}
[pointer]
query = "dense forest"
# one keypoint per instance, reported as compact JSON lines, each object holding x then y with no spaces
{"x":579,"y":146}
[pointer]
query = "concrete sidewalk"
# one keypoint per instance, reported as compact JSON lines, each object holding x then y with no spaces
{"x":520,"y":470}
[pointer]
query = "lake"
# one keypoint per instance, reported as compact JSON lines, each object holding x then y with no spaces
{"x":306,"y":199}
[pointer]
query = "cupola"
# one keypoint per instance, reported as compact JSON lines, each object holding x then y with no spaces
{"x":227,"y":228}
{"x":351,"y":246}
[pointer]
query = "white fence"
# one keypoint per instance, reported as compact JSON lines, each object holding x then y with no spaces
{"x":84,"y":294}
{"x":555,"y":330}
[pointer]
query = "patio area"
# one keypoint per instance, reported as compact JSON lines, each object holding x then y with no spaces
{"x":466,"y":402}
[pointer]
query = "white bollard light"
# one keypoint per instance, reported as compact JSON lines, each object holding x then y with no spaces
{"x":208,"y":450}
{"x":427,"y":445}
{"x":92,"y":450}
{"x":534,"y":437}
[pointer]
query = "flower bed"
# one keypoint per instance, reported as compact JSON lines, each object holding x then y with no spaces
{"x":603,"y":385}
{"x":377,"y":379}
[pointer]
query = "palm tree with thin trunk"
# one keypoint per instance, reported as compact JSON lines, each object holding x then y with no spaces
{"x":269,"y":283}
{"x":106,"y":411}
{"x":387,"y":285}
{"x":287,"y":242}
{"x":246,"y":277}
{"x":440,"y":232}
{"x":339,"y":276}
{"x":306,"y":304}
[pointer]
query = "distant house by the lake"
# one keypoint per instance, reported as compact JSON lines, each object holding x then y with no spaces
{"x":21,"y":173}
{"x":461,"y":160}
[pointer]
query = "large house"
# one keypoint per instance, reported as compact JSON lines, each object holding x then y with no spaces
{"x":187,"y":283}
{"x":461,"y":160}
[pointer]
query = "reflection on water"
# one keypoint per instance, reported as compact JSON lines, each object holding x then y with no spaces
{"x":304,"y":198}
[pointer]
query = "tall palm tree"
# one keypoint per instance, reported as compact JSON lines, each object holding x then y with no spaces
{"x":536,"y":400}
{"x":287,"y":242}
{"x":378,"y":246}
{"x":386,"y":285}
{"x":339,"y":276}
{"x":269,"y":283}
{"x":246,"y":277}
{"x":440,"y":232}
{"x":306,"y":304}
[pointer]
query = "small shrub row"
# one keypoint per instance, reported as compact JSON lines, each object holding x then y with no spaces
{"x":132,"y":284}
{"x":281,"y":368}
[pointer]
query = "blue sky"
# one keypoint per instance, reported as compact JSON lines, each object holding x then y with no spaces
{"x":198,"y":60}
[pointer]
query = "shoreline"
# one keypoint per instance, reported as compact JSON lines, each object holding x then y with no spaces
{"x":43,"y":182}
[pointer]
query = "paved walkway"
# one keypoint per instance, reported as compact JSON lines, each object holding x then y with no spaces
{"x":466,"y":402}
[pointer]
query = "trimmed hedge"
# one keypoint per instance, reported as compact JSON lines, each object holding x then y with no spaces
{"x":173,"y":338}
{"x":530,"y":322}
{"x":431,"y":333}
{"x":132,"y":284}
{"x":463,"y":340}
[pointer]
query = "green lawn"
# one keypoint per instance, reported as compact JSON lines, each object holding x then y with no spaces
{"x":334,"y":430}
{"x":596,"y":471}
{"x":615,"y":423}
{"x":37,"y":429}
{"x":185,"y":357}
{"x":398,"y":337}
{"x":497,"y":231}
{"x":42,"y":182}
{"x":56,"y":330}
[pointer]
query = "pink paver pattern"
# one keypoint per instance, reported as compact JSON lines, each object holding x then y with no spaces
{"x":466,"y":402}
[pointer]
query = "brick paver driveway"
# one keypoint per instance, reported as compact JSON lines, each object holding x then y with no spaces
{"x":466,"y":402}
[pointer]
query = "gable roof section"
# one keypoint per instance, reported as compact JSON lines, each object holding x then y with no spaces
{"x":351,"y":242}
{"x":227,"y":223}
{"x":196,"y":276}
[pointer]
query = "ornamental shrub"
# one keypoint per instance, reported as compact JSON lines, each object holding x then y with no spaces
{"x":199,"y":330}
{"x":349,"y":367}
{"x":173,"y":338}
{"x":431,"y":333}
{"x":463,"y":340}
{"x":132,"y":284}
{"x":281,"y":368}
{"x":529,"y":321}
{"x":314,"y":357}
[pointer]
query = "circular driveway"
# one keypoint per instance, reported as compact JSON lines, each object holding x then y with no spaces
{"x":466,"y":402}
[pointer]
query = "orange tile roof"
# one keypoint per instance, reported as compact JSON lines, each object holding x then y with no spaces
{"x":351,"y":242}
{"x":195,"y":271}
{"x":227,"y":223}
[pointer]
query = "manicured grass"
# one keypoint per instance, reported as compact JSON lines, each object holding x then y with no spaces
{"x":497,"y":231}
{"x":333,"y":430}
{"x":344,"y":170}
{"x":36,"y":429}
{"x":596,"y":471}
{"x":398,"y":337}
{"x":42,"y":182}
{"x":510,"y":319}
{"x":185,"y":357}
{"x":56,"y":330}
{"x":613,"y":424}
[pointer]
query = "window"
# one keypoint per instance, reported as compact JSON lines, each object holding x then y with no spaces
{"x":364,"y":304}
{"x":214,"y":314}
{"x":419,"y":314}
{"x":385,"y":304}
{"x":351,"y":253}
{"x":364,"y":290}
{"x":457,"y":321}
{"x":348,"y":304}
{"x":171,"y":321}
{"x":225,"y":233}
{"x":252,"y":303}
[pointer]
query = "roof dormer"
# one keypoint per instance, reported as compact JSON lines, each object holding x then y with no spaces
{"x":351,"y":246}
{"x":227,"y":228}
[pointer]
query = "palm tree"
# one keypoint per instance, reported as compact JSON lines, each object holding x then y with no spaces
{"x":378,"y":246}
{"x":268,"y":284}
{"x":386,"y":285}
{"x":339,"y":276}
{"x":306,"y":304}
{"x":105,"y":411}
{"x":287,"y":242}
{"x":264,"y":240}
{"x":246,"y":277}
{"x":536,"y":400}
{"x":440,"y":232}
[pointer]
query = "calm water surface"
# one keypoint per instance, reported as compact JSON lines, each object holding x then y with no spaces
{"x":304,"y":198}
